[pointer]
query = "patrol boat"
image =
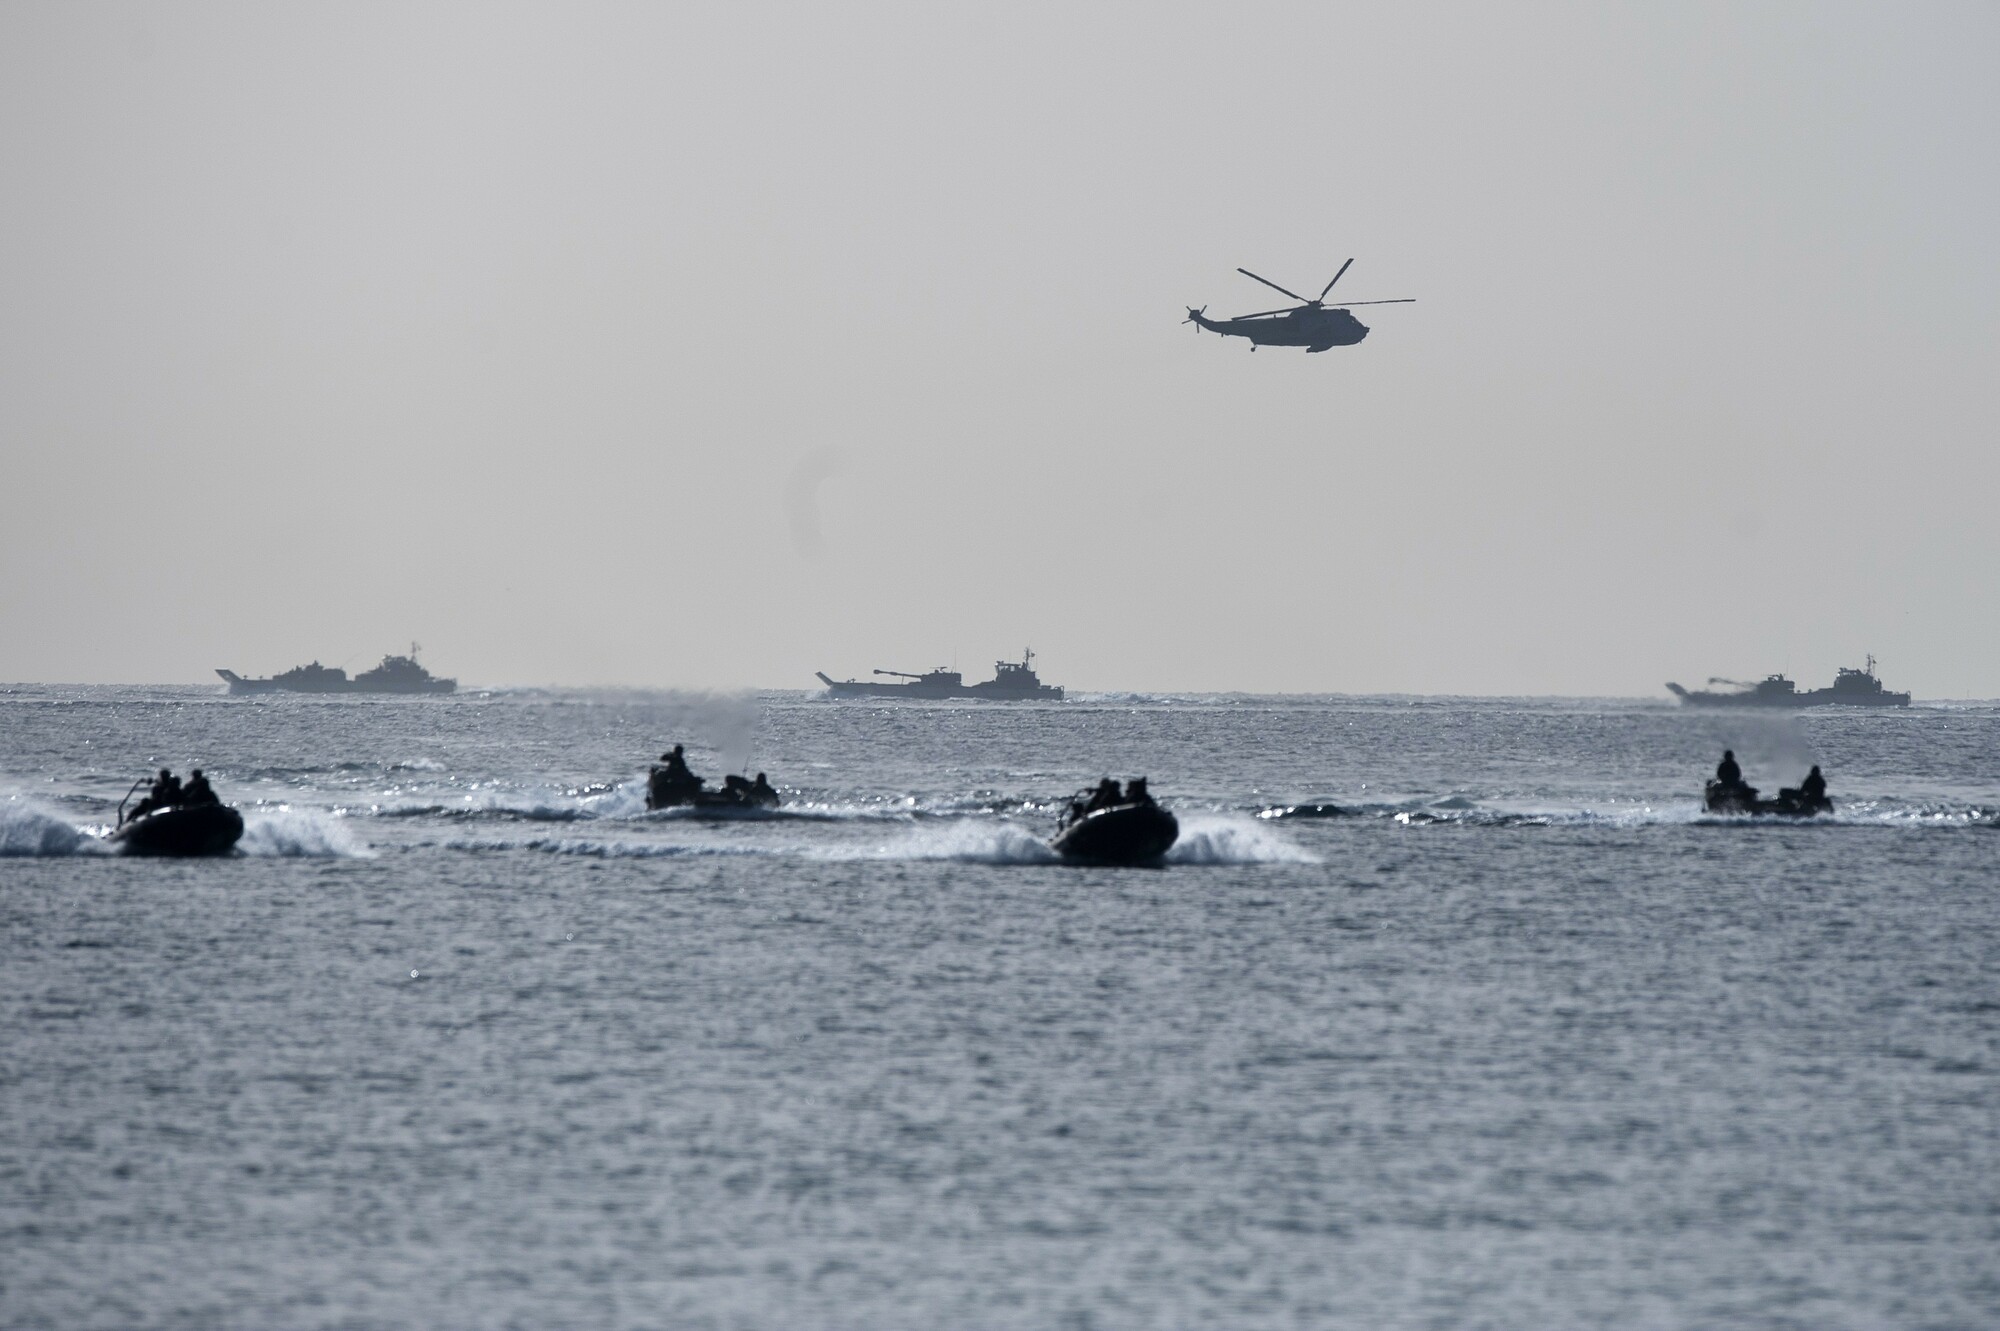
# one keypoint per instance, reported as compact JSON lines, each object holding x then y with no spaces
{"x":1851,"y":688}
{"x":396,"y":674}
{"x":1013,"y":681}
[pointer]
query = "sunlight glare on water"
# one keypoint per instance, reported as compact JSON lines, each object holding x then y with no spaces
{"x":1441,"y":1013}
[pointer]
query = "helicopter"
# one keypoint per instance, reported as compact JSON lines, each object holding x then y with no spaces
{"x":1311,"y":324}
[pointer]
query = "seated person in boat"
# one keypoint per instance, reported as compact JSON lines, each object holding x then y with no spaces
{"x":761,"y":792}
{"x":1136,"y":792}
{"x":1812,"y":790}
{"x":198,"y":791}
{"x":736,"y":787}
{"x":165,"y":794}
{"x":1106,"y":795}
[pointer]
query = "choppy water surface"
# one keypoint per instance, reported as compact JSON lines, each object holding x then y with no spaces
{"x":1444,"y":1014}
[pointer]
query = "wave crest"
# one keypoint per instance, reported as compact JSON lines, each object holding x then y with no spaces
{"x":965,"y":841}
{"x":1220,"y":839}
{"x":299,"y":833}
{"x":29,"y":832}
{"x":605,"y":850}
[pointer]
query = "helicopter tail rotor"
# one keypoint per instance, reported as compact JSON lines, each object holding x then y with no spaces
{"x":1195,"y":316}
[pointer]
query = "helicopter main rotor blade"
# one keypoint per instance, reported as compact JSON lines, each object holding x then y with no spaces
{"x":1265,"y":314}
{"x":1336,"y":277}
{"x":1274,"y":286}
{"x":1407,"y":300}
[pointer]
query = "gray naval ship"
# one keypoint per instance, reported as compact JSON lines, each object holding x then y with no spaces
{"x":1013,"y":681}
{"x":1851,"y":688}
{"x":396,"y":674}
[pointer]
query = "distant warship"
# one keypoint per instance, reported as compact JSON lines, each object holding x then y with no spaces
{"x":396,"y":674}
{"x":1012,"y":681}
{"x":1851,"y":688}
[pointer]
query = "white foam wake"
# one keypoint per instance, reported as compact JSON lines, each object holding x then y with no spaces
{"x":29,"y":831}
{"x":1204,"y":839}
{"x":299,"y":833}
{"x":964,"y":840}
{"x":627,"y":799}
{"x":590,"y":848}
{"x":1233,"y":839}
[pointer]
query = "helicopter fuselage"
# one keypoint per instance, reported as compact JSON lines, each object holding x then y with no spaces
{"x":1313,"y":329}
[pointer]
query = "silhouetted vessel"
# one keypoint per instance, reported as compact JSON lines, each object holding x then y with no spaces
{"x":666,"y":790}
{"x":396,"y":674}
{"x":1851,"y":688}
{"x":210,"y":829}
{"x":1129,"y":832}
{"x":1718,"y":798}
{"x":203,"y":825}
{"x":1013,"y":681}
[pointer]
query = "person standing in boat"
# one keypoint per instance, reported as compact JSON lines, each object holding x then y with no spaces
{"x":1727,"y":773}
{"x":1813,"y":788}
{"x":761,"y":792}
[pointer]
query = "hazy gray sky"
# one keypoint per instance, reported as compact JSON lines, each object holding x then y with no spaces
{"x":713,"y":345}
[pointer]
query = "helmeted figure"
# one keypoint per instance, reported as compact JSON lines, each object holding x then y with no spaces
{"x":165,"y":794}
{"x":198,"y":791}
{"x":1814,"y":786}
{"x":674,"y":774}
{"x":1106,"y":795}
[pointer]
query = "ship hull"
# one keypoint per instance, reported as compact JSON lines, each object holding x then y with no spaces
{"x":1121,"y":834}
{"x":1717,"y":798}
{"x":1812,"y":698}
{"x":662,"y":792}
{"x":185,"y":831}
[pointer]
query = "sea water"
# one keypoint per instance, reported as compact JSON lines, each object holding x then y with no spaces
{"x":1443,"y":1013}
